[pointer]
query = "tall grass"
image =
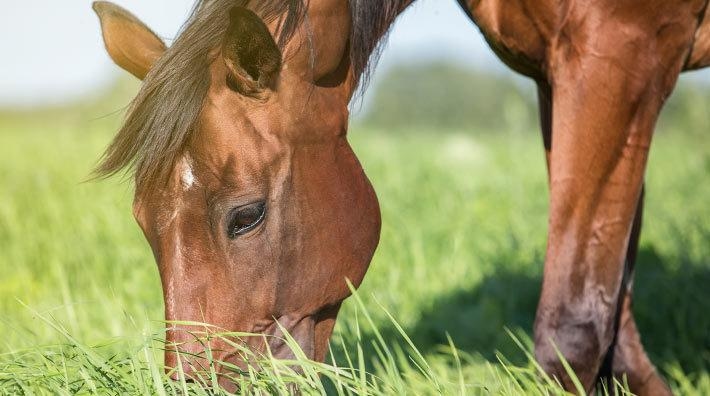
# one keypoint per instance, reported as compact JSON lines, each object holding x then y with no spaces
{"x":460,"y":260}
{"x":131,"y":366}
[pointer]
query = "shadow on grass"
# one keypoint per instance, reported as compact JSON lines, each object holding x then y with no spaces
{"x":671,"y":305}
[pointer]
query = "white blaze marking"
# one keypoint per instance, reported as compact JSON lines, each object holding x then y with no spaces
{"x":186,"y":176}
{"x":183,"y":168}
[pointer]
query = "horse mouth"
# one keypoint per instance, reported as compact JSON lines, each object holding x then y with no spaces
{"x":232,"y":356}
{"x":286,"y":338}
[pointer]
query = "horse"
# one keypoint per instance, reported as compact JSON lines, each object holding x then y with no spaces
{"x":257,"y":210}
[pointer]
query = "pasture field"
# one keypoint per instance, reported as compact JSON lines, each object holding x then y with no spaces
{"x":461,"y":253}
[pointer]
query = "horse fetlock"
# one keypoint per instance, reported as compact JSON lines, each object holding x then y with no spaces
{"x":631,"y":364}
{"x":580,"y":338}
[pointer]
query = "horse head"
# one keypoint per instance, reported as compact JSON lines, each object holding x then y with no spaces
{"x":253,"y":202}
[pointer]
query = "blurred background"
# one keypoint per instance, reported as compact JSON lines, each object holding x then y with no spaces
{"x":447,"y":135}
{"x":57,"y":58}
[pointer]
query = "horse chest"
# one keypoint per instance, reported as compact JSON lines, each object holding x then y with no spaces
{"x":518,"y":31}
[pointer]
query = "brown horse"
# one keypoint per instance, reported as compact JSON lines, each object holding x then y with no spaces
{"x":257,"y":209}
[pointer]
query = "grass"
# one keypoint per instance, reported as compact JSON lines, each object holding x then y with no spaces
{"x":460,"y":261}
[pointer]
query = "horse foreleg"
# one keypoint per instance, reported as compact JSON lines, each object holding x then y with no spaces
{"x":630,"y":360}
{"x":628,"y":357}
{"x":596,"y":169}
{"x":607,"y":91}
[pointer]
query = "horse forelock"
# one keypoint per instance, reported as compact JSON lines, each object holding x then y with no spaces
{"x":165,"y":112}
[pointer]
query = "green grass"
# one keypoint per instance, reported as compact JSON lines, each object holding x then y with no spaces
{"x":460,"y":260}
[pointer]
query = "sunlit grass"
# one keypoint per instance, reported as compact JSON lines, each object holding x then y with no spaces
{"x":460,"y":260}
{"x":131,"y":366}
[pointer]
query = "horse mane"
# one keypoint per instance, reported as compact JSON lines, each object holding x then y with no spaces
{"x":166,"y":110}
{"x":371,"y":21}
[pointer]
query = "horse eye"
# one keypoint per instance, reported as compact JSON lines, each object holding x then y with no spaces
{"x":245,"y":218}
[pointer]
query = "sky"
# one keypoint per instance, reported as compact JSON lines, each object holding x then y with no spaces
{"x":52,"y":50}
{"x":55,"y":50}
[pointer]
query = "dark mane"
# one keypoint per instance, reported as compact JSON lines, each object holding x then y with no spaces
{"x":371,"y":21}
{"x":165,"y":111}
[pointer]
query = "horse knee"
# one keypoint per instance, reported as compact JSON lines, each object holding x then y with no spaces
{"x":581,"y":338}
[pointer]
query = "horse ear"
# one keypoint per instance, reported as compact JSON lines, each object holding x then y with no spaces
{"x":129,"y":42}
{"x":250,"y":53}
{"x":700,"y":53}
